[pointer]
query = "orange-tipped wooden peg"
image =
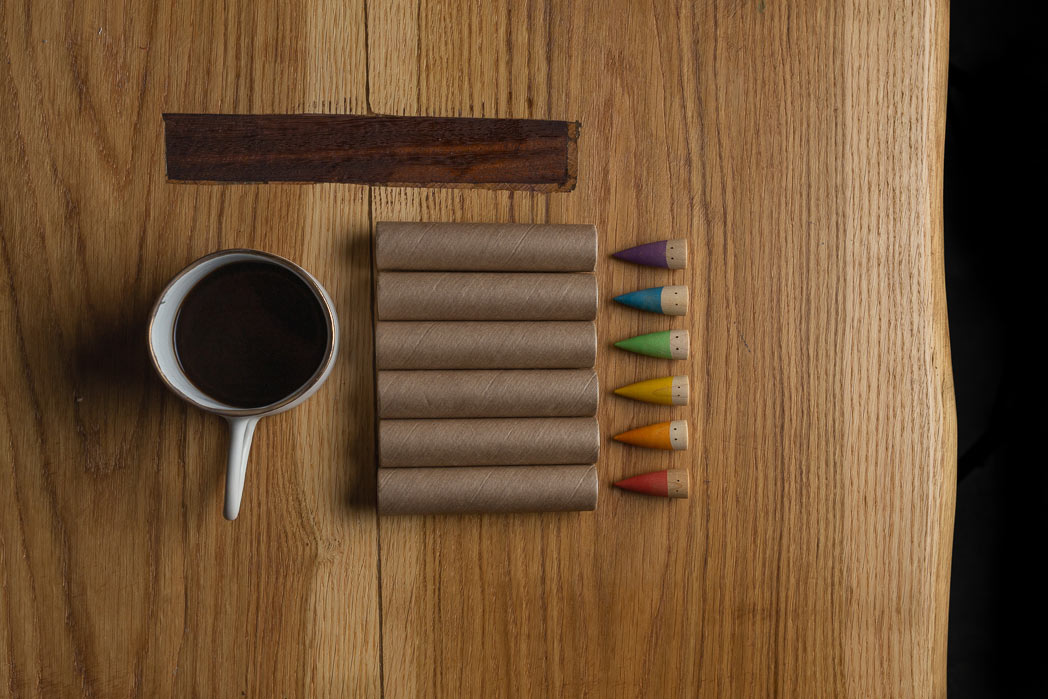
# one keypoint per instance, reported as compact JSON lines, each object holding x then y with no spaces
{"x":662,"y":435}
{"x":672,"y":483}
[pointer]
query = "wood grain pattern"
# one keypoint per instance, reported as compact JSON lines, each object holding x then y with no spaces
{"x":119,"y":576}
{"x":415,"y":151}
{"x":799,"y":150}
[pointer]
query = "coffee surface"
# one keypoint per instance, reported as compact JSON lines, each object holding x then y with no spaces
{"x":250,"y":334}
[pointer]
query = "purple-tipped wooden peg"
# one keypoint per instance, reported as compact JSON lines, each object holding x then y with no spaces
{"x":670,"y":254}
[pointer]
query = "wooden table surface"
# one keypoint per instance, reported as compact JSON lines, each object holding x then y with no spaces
{"x":798,"y":146}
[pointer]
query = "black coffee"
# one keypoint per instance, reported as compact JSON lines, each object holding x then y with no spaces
{"x":250,"y":334}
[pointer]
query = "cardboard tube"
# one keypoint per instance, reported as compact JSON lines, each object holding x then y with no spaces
{"x":485,"y":247}
{"x":495,"y":489}
{"x":497,"y":393}
{"x":485,"y":296}
{"x":485,"y":345}
{"x":488,"y":442}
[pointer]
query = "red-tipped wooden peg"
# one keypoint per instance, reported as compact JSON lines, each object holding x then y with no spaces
{"x":672,"y":483}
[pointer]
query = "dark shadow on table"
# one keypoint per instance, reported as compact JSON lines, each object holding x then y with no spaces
{"x":994,"y":182}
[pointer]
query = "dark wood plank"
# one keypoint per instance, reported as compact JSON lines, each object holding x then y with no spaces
{"x":531,"y":154}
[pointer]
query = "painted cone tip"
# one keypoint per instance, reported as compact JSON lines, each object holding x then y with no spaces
{"x":656,"y":436}
{"x":667,"y":300}
{"x":667,"y":344}
{"x":667,"y":390}
{"x":673,"y":483}
{"x":663,"y":391}
{"x":661,"y":435}
{"x":649,"y":300}
{"x":669,"y":254}
{"x":649,"y":254}
{"x":654,"y":483}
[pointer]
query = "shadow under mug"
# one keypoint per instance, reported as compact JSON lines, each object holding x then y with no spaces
{"x":242,"y":421}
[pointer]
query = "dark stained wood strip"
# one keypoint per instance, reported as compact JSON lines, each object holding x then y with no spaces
{"x":528,"y":154}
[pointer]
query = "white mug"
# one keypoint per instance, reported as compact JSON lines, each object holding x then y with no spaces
{"x":241,"y":421}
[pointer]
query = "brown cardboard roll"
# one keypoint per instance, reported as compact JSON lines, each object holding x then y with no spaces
{"x":494,"y":393}
{"x":488,"y":442}
{"x":557,"y":344}
{"x":485,"y":296}
{"x":496,"y":489}
{"x":485,"y":247}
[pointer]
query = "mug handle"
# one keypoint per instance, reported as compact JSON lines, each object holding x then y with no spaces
{"x":241,"y":430}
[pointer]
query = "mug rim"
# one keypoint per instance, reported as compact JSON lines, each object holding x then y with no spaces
{"x":300,"y":272}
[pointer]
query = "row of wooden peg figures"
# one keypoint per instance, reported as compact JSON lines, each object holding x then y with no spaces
{"x":668,"y":390}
